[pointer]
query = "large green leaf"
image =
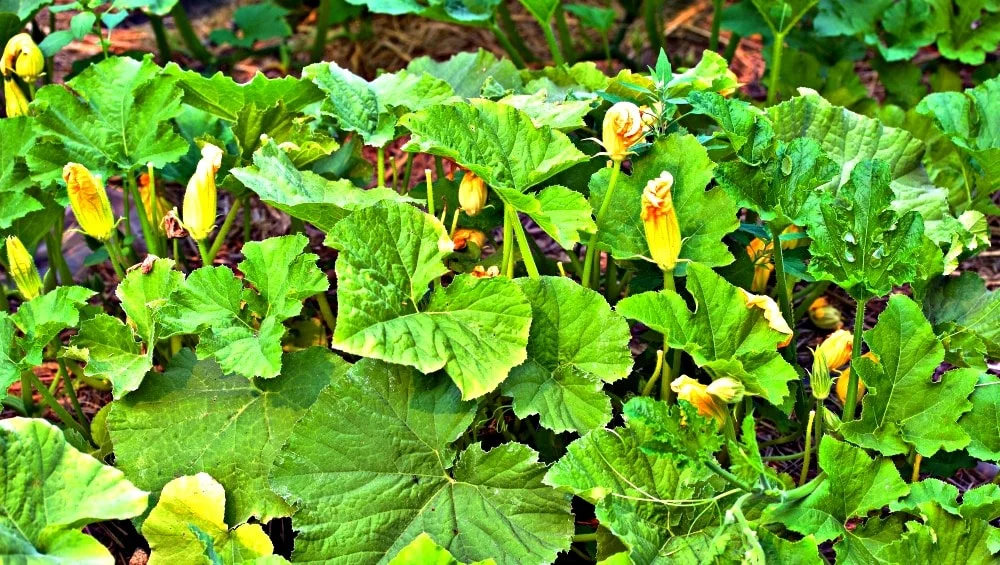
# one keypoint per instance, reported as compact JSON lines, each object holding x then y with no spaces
{"x":723,"y":334}
{"x":144,"y":292}
{"x":566,"y":115}
{"x":38,"y":322}
{"x":561,"y":212}
{"x":116,"y":118}
{"x":194,"y":505}
{"x":467,"y":12}
{"x":577,"y":343}
{"x":241,"y":327}
{"x":423,"y":550}
{"x":966,"y":316}
{"x":496,"y":141}
{"x":854,"y":486}
{"x":475,"y":329}
{"x":49,"y":491}
{"x":469,"y":72}
{"x":861,"y":243}
{"x":304,"y":194}
{"x":705,"y":217}
{"x":973,"y":30}
{"x":15,"y":139}
{"x":982,"y":423}
{"x":905,"y":405}
{"x":111,"y":352}
{"x":746,"y":127}
{"x":364,"y":496}
{"x":194,"y":418}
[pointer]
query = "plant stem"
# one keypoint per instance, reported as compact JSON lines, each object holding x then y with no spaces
{"x":584,"y":538}
{"x":326,"y":312}
{"x":736,"y":482}
{"x":653,"y":31}
{"x":565,"y":41}
{"x":508,"y":247}
{"x":650,"y":384}
{"x":152,"y":240}
{"x":227,"y":224}
{"x":789,"y":457}
{"x":782,"y":289}
{"x":667,"y":393}
{"x":247,"y":220}
{"x":380,"y":167}
{"x":808,"y":448}
{"x":53,"y":243}
{"x":115,"y":254}
{"x":522,"y":243}
{"x":183,"y":25}
{"x":162,"y":42}
{"x":588,"y":263}
{"x":322,"y":26}
{"x":510,"y":31}
{"x":915,"y":476}
{"x":550,"y":38}
{"x":27,"y":399}
{"x":54,"y":405}
{"x":782,"y":440}
{"x":504,"y":42}
{"x":713,"y":40}
{"x":731,"y":47}
{"x":70,"y":392}
{"x":203,"y":251}
{"x":430,"y":194}
{"x":775,"y":73}
{"x":154,"y":214}
{"x":405,"y":188}
{"x":851,"y":402}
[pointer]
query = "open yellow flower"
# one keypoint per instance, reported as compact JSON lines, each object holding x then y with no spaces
{"x":772,"y":313}
{"x":472,"y":194}
{"x":15,"y":100}
{"x":837,"y":348}
{"x":201,"y":198}
{"x":663,"y":233}
{"x":89,"y":201}
{"x":22,"y":269}
{"x":22,"y":57}
{"x":825,"y":316}
{"x":623,"y":128}
{"x":845,"y":377}
{"x":710,"y":400}
{"x":761,"y":254}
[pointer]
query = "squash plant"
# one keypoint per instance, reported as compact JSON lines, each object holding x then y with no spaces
{"x":586,"y":364}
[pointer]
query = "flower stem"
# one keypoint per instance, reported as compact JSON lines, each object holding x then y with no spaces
{"x":380,"y":166}
{"x":851,"y":402}
{"x":152,"y":241}
{"x":713,"y":40}
{"x":648,"y":389}
{"x":508,"y":247}
{"x":915,"y":476}
{"x":588,"y":263}
{"x":507,"y":46}
{"x":115,"y":254}
{"x":326,"y":312}
{"x":674,"y":368}
{"x":184,"y":27}
{"x":203,"y":251}
{"x":522,"y":242}
{"x":227,"y":224}
{"x":784,"y":303}
{"x":162,"y":42}
{"x":775,"y":74}
{"x":430,"y":194}
{"x":53,"y":242}
{"x":808,"y":449}
{"x":322,"y":25}
{"x":70,"y":392}
{"x":550,"y":38}
{"x":583,"y":538}
{"x":53,"y":404}
{"x":736,"y":482}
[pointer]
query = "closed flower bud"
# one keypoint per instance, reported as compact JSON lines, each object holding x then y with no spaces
{"x":200,"y":197}
{"x":650,"y":116}
{"x":845,"y":377}
{"x":472,"y":194}
{"x":22,"y":269}
{"x":820,"y":378}
{"x":704,"y":401}
{"x":481,"y":272}
{"x":463,"y":237}
{"x":15,"y":100}
{"x":727,"y":390}
{"x":772,"y":313}
{"x":162,"y":206}
{"x":623,"y":128}
{"x":760,"y":253}
{"x":837,"y":348}
{"x":22,"y":57}
{"x":663,"y":233}
{"x":825,"y":316}
{"x":89,"y":201}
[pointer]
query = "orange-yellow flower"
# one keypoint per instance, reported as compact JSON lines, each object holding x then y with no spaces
{"x":710,"y":400}
{"x":463,"y":237}
{"x":825,"y":316}
{"x":837,"y":348}
{"x":472,"y":194}
{"x":845,"y":377}
{"x":623,"y":128}
{"x":89,"y":201}
{"x":792,"y":243}
{"x":481,"y":272}
{"x":772,"y":313}
{"x":201,"y":198}
{"x":22,"y":57}
{"x":162,"y":206}
{"x":761,"y":254}
{"x":22,"y":269}
{"x":663,"y":233}
{"x":15,"y":100}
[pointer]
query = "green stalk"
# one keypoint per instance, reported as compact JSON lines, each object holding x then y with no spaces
{"x":322,"y":26}
{"x":565,"y":40}
{"x":326,"y":312}
{"x":850,"y":404}
{"x":70,"y":391}
{"x":507,"y":46}
{"x":115,"y":254}
{"x":27,"y":399}
{"x":772,"y":87}
{"x":808,"y":448}
{"x":4,"y":306}
{"x":522,"y":242}
{"x":203,"y":251}
{"x":430,"y":194}
{"x":789,"y":457}
{"x":550,"y":39}
{"x":813,"y":291}
{"x":53,"y":243}
{"x":162,"y":42}
{"x":731,"y":47}
{"x":651,"y":383}
{"x":784,"y":303}
{"x":380,"y":166}
{"x":508,"y":247}
{"x":247,"y":220}
{"x":666,"y":393}
{"x":54,"y":405}
{"x":588,"y":263}
{"x":584,"y":538}
{"x":510,"y":30}
{"x":184,"y":27}
{"x":227,"y":224}
{"x":651,"y":13}
{"x":713,"y":40}
{"x":151,"y":237}
{"x":733,"y":479}
{"x":155,"y":212}
{"x":406,"y":175}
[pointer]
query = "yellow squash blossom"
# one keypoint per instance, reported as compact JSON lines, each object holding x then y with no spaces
{"x":162,"y":206}
{"x":825,"y":316}
{"x":22,"y":57}
{"x":772,"y":313}
{"x":761,"y":254}
{"x":22,"y":269}
{"x":472,"y":194}
{"x":623,"y":128}
{"x":837,"y":348}
{"x":819,"y":379}
{"x":710,"y":400}
{"x":845,"y":377}
{"x":481,"y":272}
{"x":89,"y":201}
{"x":663,"y":233}
{"x":201,"y":198}
{"x":463,"y":237}
{"x":15,"y":100}
{"x":792,"y":243}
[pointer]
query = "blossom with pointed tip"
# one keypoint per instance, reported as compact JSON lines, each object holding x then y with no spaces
{"x":845,"y":376}
{"x":162,"y":206}
{"x":760,"y":254}
{"x":825,"y":316}
{"x":15,"y":100}
{"x":663,"y":233}
{"x":623,"y":127}
{"x":710,"y":400}
{"x":201,"y":198}
{"x":89,"y":201}
{"x":472,"y":194}
{"x":837,"y":348}
{"x":819,"y":379}
{"x":22,"y":269}
{"x":772,"y":313}
{"x":22,"y":57}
